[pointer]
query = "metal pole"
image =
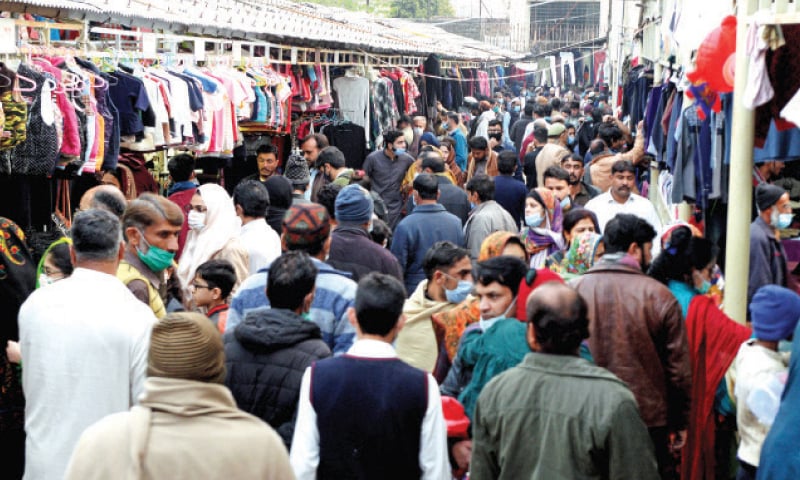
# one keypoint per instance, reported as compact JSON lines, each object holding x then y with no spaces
{"x":737,"y":265}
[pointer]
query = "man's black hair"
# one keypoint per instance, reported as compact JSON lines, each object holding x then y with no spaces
{"x":625,"y":229}
{"x":529,"y":106}
{"x":609,"y":132}
{"x":379,"y":303}
{"x":542,"y":110}
{"x":390,"y":136}
{"x":478,"y":143}
{"x":506,"y":162}
{"x":554,"y":171}
{"x":483,"y":185}
{"x":426,"y":186}
{"x":441,"y":256}
{"x":180,"y":167}
{"x":331,"y":156}
{"x":540,"y":133}
{"x":454,"y":117}
{"x":253,"y":197}
{"x":218,"y":274}
{"x":495,"y":122}
{"x":506,"y":270}
{"x":291,"y":277}
{"x":267,"y":148}
{"x":108,"y":201}
{"x":621,"y":166}
{"x":433,"y":161}
{"x":327,"y":197}
{"x":560,"y":320}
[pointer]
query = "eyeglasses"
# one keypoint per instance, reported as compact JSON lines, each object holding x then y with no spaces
{"x":197,"y":208}
{"x":197,"y":286}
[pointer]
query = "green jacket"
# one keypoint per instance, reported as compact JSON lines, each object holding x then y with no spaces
{"x":489,"y":354}
{"x":559,"y":417}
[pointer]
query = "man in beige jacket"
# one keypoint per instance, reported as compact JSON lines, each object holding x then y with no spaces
{"x":448,"y":273}
{"x":187,"y":425}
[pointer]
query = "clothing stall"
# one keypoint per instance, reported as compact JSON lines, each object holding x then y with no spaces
{"x":82,"y":98}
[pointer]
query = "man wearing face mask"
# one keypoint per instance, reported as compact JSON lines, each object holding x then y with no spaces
{"x":490,"y":346}
{"x":636,"y":330}
{"x":448,"y":282}
{"x":767,"y":256}
{"x":387,"y":168}
{"x":556,"y":179}
{"x":151,"y":225}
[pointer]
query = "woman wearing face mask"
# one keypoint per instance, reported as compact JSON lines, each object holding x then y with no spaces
{"x":214,"y":234}
{"x":684,"y":266}
{"x":55,"y":264}
{"x":586,"y":248}
{"x":576,"y":221}
{"x":542,"y":232}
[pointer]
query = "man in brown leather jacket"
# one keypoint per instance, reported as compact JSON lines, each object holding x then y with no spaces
{"x":637,"y":332}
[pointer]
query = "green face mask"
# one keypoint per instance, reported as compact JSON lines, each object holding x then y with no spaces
{"x":155,"y":258}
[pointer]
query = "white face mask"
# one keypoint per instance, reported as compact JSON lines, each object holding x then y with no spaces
{"x":46,"y":280}
{"x":197,"y":220}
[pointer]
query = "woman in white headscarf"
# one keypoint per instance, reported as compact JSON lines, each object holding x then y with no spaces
{"x":214,"y":234}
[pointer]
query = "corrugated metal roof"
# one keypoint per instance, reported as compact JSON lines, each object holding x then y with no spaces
{"x":302,"y":23}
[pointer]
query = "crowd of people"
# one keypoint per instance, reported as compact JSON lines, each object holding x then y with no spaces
{"x":488,"y":297}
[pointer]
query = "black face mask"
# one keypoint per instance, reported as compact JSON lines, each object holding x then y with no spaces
{"x":496,"y":136}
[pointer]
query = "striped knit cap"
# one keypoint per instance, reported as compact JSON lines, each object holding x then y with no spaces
{"x":306,"y":224}
{"x":187,"y":346}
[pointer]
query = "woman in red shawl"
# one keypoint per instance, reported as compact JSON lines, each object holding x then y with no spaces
{"x":684,"y":266}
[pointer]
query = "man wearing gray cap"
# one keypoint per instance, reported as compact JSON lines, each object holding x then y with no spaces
{"x":767,"y":256}
{"x":552,"y":153}
{"x":352,"y":249}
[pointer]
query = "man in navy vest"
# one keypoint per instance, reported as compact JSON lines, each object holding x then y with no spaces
{"x":368,"y":414}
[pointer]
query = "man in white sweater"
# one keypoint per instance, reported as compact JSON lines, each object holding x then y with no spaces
{"x":84,"y":345}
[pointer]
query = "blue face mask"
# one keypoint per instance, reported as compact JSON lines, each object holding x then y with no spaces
{"x":705,"y":287}
{"x":566,"y":203}
{"x":486,"y":324}
{"x":534,"y":221}
{"x":155,"y":258}
{"x":571,"y":139}
{"x":516,"y":108}
{"x":784,"y":220}
{"x":399,"y":151}
{"x":459,"y":294}
{"x":472,"y":205}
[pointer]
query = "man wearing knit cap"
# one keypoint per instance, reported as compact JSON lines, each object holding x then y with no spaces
{"x":187,"y":424}
{"x":758,"y":369}
{"x":767,"y":256}
{"x":352,"y":249}
{"x":306,"y":228}
{"x":297,"y":173}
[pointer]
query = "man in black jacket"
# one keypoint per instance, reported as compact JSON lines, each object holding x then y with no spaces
{"x":268,"y":352}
